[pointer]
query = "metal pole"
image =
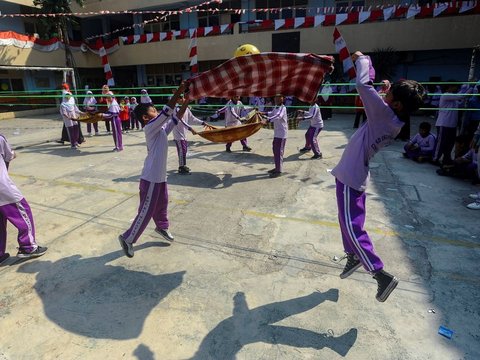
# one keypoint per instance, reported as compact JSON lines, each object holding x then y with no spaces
{"x":471,"y":72}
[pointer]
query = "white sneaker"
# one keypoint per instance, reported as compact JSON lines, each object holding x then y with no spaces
{"x":474,"y":206}
{"x":90,"y":135}
{"x":474,"y":196}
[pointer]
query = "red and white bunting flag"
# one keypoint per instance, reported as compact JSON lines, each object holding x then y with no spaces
{"x":388,"y":12}
{"x":193,"y":54}
{"x":299,"y":21}
{"x":467,"y":5}
{"x":344,"y":54}
{"x":318,"y":20}
{"x":279,"y":23}
{"x":439,"y":8}
{"x":224,"y":28}
{"x":340,"y":18}
{"x":413,"y":10}
{"x":163,"y":36}
{"x":106,"y":66}
{"x":363,"y":16}
{"x":208,"y":30}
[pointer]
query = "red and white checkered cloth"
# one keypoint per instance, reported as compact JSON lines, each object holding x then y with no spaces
{"x":265,"y":75}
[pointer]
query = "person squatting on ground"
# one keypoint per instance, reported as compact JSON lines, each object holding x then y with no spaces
{"x":316,"y":125}
{"x":180,"y":134}
{"x":153,"y":180}
{"x":278,"y":116}
{"x":232,"y":110}
{"x":421,"y":147}
{"x":113,"y":114}
{"x":14,"y":208}
{"x":89,"y":106}
{"x":351,"y":173}
{"x":70,"y":112}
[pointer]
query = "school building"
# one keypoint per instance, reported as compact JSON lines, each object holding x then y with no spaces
{"x":149,"y":44}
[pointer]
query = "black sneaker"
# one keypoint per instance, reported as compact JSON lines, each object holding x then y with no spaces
{"x":39,"y":251}
{"x":127,"y":248}
{"x":352,"y":264}
{"x":4,"y":257}
{"x":228,"y":150}
{"x":186,"y":167}
{"x":317,"y":156}
{"x":275,"y":174}
{"x":183,"y":170}
{"x":386,"y":284}
{"x":304,"y":150}
{"x":167,"y":235}
{"x":272,"y":171}
{"x":247,"y":148}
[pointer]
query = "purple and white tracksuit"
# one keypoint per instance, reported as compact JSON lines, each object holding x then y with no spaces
{"x":180,"y":134}
{"x":112,"y":113}
{"x":426,"y":146}
{"x":352,"y":171}
{"x":89,"y":106}
{"x":69,"y":112}
{"x":280,"y":133}
{"x":232,"y":118}
{"x":316,"y":125}
{"x":13,"y":206}
{"x":153,"y":181}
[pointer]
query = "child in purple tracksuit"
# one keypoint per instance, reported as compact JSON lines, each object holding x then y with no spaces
{"x":153,"y":181}
{"x":70,"y":112}
{"x":279,"y":117}
{"x":316,"y":125}
{"x":180,"y":135}
{"x":89,"y":105}
{"x":232,"y":110}
{"x":421,"y":147}
{"x":14,"y":208}
{"x":352,"y":171}
{"x":446,"y":123}
{"x":113,"y":113}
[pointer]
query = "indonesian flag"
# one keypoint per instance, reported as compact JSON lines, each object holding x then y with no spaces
{"x":341,"y":48}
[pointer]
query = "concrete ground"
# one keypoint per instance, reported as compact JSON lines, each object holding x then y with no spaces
{"x":251,"y":273}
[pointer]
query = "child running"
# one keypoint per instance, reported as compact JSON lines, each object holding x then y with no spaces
{"x":352,"y":171}
{"x":14,"y":208}
{"x":316,"y":125}
{"x":153,"y":180}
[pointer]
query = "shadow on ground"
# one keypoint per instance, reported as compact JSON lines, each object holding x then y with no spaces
{"x":247,"y":326}
{"x":86,"y":296}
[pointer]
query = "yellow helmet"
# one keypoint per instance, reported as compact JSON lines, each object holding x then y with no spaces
{"x":246,"y":49}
